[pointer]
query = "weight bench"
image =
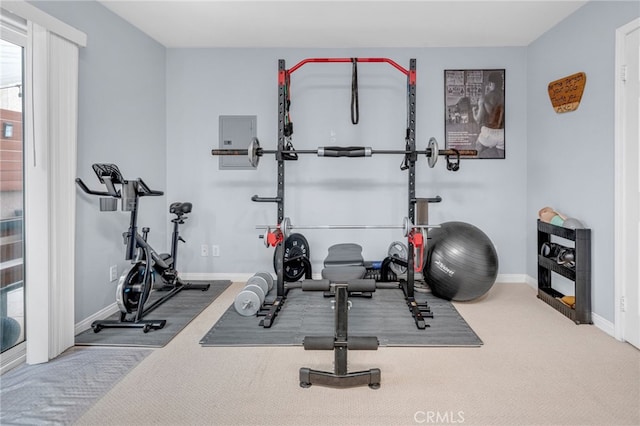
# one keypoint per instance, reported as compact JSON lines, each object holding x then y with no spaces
{"x":343,"y":275}
{"x":345,"y":263}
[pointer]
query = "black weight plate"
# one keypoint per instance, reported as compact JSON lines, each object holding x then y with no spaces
{"x":294,"y":246}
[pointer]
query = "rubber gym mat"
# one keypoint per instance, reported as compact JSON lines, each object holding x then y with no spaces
{"x":178,"y":311}
{"x":384,"y":315}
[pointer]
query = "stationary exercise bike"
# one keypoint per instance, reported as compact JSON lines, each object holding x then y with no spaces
{"x":135,"y":285}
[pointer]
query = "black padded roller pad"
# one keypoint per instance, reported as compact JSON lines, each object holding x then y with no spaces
{"x":346,"y":254}
{"x":362,"y":343}
{"x":344,"y":274}
{"x":327,"y":343}
{"x":361,"y":285}
{"x":316,"y":285}
{"x":318,"y":343}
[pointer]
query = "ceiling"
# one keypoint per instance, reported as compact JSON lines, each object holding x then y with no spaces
{"x":309,"y":24}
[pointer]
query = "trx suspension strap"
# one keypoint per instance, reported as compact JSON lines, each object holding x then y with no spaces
{"x":355,"y":109}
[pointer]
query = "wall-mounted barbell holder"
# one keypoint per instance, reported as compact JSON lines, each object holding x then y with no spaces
{"x":254,"y":152}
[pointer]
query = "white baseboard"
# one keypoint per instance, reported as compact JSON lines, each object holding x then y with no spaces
{"x":604,"y":324}
{"x":242,"y":277}
{"x":601,"y":323}
{"x":211,"y":276}
{"x":85,"y":324}
{"x":533,"y":282}
{"x":510,"y":278}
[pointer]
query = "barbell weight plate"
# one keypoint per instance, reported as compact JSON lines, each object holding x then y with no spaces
{"x":252,"y":152}
{"x":265,"y":237}
{"x":433,"y":158}
{"x":268,"y":277}
{"x":285,"y":227}
{"x":398,"y":250}
{"x":295,"y":246}
{"x":247,"y":303}
{"x":257,"y":290}
{"x":407,"y":226}
{"x":260,"y":282}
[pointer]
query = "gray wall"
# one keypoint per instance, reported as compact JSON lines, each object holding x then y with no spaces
{"x":155,"y":113}
{"x":570,"y":156}
{"x":205,"y":83}
{"x":121,"y":120}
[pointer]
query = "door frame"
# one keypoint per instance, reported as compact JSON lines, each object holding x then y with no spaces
{"x":620,"y":235}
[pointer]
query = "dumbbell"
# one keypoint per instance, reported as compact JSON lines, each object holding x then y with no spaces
{"x":562,"y":255}
{"x":566,"y":257}
{"x":550,"y":250}
{"x":248,"y":302}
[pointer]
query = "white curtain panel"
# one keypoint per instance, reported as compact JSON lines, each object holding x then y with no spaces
{"x":52,"y":102}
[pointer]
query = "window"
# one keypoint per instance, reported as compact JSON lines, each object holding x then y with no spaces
{"x":12,"y":285}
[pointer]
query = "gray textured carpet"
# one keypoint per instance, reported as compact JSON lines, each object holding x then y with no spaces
{"x":60,"y":391}
{"x":178,"y":311}
{"x":385,"y":315}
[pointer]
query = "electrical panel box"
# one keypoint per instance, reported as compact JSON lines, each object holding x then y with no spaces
{"x":236,"y":132}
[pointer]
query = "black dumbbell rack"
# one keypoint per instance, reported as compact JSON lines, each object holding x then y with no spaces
{"x":580,"y":274}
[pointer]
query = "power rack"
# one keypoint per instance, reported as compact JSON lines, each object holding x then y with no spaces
{"x":418,"y":310}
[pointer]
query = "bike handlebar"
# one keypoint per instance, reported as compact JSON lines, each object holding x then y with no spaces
{"x":146,"y":190}
{"x":84,"y":187}
{"x":142,"y":189}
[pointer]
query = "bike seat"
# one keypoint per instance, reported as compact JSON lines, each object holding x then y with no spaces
{"x":180,"y":208}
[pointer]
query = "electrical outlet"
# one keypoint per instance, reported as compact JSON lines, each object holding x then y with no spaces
{"x":333,"y":137}
{"x":215,"y":251}
{"x":204,"y":250}
{"x":113,"y":272}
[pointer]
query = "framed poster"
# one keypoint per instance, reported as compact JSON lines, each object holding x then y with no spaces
{"x":474,"y":111}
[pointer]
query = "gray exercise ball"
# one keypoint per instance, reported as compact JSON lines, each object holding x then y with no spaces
{"x":462,"y":263}
{"x":9,"y":332}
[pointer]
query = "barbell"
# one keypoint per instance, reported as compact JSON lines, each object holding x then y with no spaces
{"x":254,"y":152}
{"x":286,"y":226}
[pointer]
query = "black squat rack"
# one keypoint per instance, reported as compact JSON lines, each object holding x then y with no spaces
{"x":284,"y":153}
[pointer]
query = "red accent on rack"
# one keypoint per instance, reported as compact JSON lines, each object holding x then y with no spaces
{"x":331,"y":60}
{"x":416,"y":238}
{"x":281,"y":78}
{"x":412,"y":77}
